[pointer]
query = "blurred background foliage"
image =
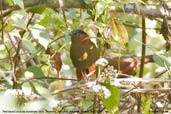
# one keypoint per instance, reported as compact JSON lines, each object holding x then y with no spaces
{"x":34,"y":51}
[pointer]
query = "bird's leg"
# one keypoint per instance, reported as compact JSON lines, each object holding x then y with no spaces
{"x":81,"y":75}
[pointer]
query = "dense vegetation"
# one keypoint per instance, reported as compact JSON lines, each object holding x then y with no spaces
{"x":36,"y":72}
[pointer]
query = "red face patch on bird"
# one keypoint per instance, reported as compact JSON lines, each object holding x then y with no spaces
{"x":80,"y":35}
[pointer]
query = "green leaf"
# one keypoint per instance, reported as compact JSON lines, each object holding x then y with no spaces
{"x":19,"y":3}
{"x":100,"y":7}
{"x":36,"y":105}
{"x":20,"y":23}
{"x":9,"y":27}
{"x":37,"y":71}
{"x":146,"y":105}
{"x":112,"y":102}
{"x":2,"y":75}
{"x":40,"y":88}
{"x":45,"y":21}
{"x":119,"y":32}
{"x":85,"y":104}
{"x":3,"y":52}
{"x":162,"y":60}
{"x":41,"y":35}
{"x":67,"y":36}
{"x":29,"y":45}
{"x":9,"y":2}
{"x":8,"y":101}
{"x":37,"y":9}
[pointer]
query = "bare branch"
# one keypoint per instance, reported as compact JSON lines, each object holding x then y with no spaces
{"x":130,"y":80}
{"x":151,"y":13}
{"x":64,"y":4}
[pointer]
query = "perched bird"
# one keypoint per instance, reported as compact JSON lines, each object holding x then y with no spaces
{"x":128,"y":64}
{"x":83,"y":53}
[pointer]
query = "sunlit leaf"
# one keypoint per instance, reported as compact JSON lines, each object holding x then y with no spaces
{"x":20,"y":23}
{"x":41,"y":89}
{"x":86,"y":104}
{"x":37,"y":71}
{"x":37,"y":9}
{"x":9,"y":27}
{"x":112,"y":102}
{"x":35,"y":105}
{"x":56,"y":85}
{"x":162,"y":60}
{"x":10,"y":2}
{"x":29,"y":45}
{"x":41,"y":35}
{"x":100,"y":7}
{"x":3,"y":51}
{"x":8,"y":101}
{"x":19,"y":3}
{"x":122,"y":31}
{"x":146,"y":105}
{"x":119,"y":32}
{"x":115,"y":31}
{"x":45,"y":20}
{"x":2,"y":75}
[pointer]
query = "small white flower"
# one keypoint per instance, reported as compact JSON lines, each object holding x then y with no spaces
{"x":106,"y":92}
{"x":54,"y":103}
{"x":115,"y":82}
{"x":159,"y":104}
{"x":91,"y":84}
{"x":28,"y":74}
{"x":160,"y":69}
{"x":96,"y":88}
{"x":68,"y":83}
{"x":102,"y":62}
{"x":99,"y":88}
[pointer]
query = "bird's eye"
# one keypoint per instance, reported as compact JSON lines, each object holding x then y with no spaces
{"x":78,"y":35}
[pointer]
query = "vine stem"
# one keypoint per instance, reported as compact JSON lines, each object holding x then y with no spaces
{"x":142,"y":57}
{"x":143,"y":47}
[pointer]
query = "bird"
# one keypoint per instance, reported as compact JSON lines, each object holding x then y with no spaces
{"x":83,"y":54}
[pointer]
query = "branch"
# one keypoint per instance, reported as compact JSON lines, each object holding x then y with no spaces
{"x":55,"y":4}
{"x":163,"y":90}
{"x":145,"y":11}
{"x":46,"y":78}
{"x":143,"y":45}
{"x":130,"y":80}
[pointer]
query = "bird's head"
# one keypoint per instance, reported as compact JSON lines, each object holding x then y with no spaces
{"x":79,"y":35}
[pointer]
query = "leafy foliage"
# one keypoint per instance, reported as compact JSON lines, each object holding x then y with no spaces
{"x":36,"y":73}
{"x":112,"y":102}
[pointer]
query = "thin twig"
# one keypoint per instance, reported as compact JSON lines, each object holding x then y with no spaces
{"x":17,"y":55}
{"x":78,"y":86}
{"x":119,"y":81}
{"x":65,"y":19}
{"x":143,"y":80}
{"x":58,"y":38}
{"x":143,"y":51}
{"x":46,"y":78}
{"x":143,"y":47}
{"x":163,"y":90}
{"x":137,"y":26}
{"x":9,"y":55}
